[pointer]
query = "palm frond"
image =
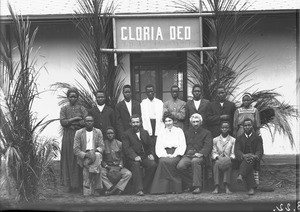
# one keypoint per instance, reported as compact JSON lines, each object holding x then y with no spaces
{"x":274,"y":113}
{"x":18,"y":121}
{"x":95,"y":67}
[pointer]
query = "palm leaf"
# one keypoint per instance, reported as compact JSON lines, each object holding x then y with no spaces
{"x":95,"y":67}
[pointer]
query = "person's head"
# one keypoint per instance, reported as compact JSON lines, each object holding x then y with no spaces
{"x":100,"y":97}
{"x":174,"y":91}
{"x":135,"y":122}
{"x":72,"y":95}
{"x":246,"y":100}
{"x":110,"y":133}
{"x":168,"y":119}
{"x":221,"y":93}
{"x":248,"y":126}
{"x":149,"y":89}
{"x":127,"y":92}
{"x":89,"y":122}
{"x":225,"y":128}
{"x":196,"y":92}
{"x":196,"y":120}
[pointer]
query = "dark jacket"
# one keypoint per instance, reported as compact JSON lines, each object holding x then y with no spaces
{"x":133,"y":146}
{"x":190,"y":109}
{"x":199,"y":140}
{"x":103,"y":119}
{"x":123,"y":116}
{"x":215,"y":110}
{"x":256,"y":148}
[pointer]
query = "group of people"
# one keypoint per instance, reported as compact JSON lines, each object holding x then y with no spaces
{"x":162,"y":147}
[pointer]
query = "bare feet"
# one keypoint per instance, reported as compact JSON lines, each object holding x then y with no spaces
{"x":228,"y":191}
{"x":216,"y":191}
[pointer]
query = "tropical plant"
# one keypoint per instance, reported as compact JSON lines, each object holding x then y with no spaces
{"x":95,"y":66}
{"x":233,"y":62}
{"x":28,"y":158}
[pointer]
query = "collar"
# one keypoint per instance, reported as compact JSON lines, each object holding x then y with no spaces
{"x":248,"y":136}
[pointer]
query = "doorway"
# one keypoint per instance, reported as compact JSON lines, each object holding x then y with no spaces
{"x":161,"y":70}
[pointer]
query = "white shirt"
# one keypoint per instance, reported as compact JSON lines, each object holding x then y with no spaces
{"x":129,"y":105}
{"x":151,"y":110}
{"x":89,"y":140}
{"x":168,"y":139}
{"x":221,"y":103}
{"x":248,"y":136}
{"x":197,"y":104}
{"x":100,"y":107}
{"x":138,"y":135}
{"x":224,"y":139}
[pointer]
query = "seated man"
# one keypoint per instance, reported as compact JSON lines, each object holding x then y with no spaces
{"x":139,"y":150}
{"x":223,"y":150}
{"x":88,"y":147}
{"x":248,"y":151}
{"x":113,"y":159}
{"x":199,"y":145}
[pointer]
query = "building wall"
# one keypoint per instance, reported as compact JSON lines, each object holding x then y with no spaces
{"x":275,"y":43}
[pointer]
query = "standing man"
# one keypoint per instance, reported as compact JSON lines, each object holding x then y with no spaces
{"x":197,"y":105}
{"x":218,"y":111}
{"x":139,"y":150}
{"x":199,"y":145}
{"x":88,"y":147}
{"x":113,"y":159}
{"x":124,"y":110}
{"x":104,"y":115}
{"x":176,"y":107}
{"x":152,"y":112}
{"x":248,"y":151}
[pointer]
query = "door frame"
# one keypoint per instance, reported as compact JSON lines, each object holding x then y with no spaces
{"x":159,"y":60}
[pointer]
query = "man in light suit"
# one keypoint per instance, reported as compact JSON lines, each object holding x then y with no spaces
{"x":197,"y":105}
{"x":152,"y":112}
{"x":88,"y":147}
{"x":223,"y":147}
{"x":139,"y":151}
{"x":124,"y":110}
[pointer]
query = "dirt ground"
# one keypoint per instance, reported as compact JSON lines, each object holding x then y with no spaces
{"x":282,"y":177}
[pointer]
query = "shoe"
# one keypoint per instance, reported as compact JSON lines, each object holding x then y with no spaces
{"x":140,"y":193}
{"x":197,"y":190}
{"x":110,"y":191}
{"x":118,"y":192}
{"x":187,"y":190}
{"x":251,"y":191}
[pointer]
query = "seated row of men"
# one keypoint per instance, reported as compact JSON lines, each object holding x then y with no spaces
{"x":172,"y":164}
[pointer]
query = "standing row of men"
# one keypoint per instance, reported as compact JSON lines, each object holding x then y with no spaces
{"x":151,"y":110}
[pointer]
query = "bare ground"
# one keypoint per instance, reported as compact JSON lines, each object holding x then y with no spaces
{"x":281,"y":177}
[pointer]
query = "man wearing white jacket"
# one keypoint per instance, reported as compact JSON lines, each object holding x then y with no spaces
{"x":152,"y":112}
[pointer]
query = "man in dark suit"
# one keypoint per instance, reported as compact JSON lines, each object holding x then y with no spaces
{"x":199,"y":144}
{"x":197,"y":105}
{"x":248,"y":151}
{"x":139,"y":151}
{"x":220,"y":110}
{"x":103,"y":115}
{"x":124,"y":110}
